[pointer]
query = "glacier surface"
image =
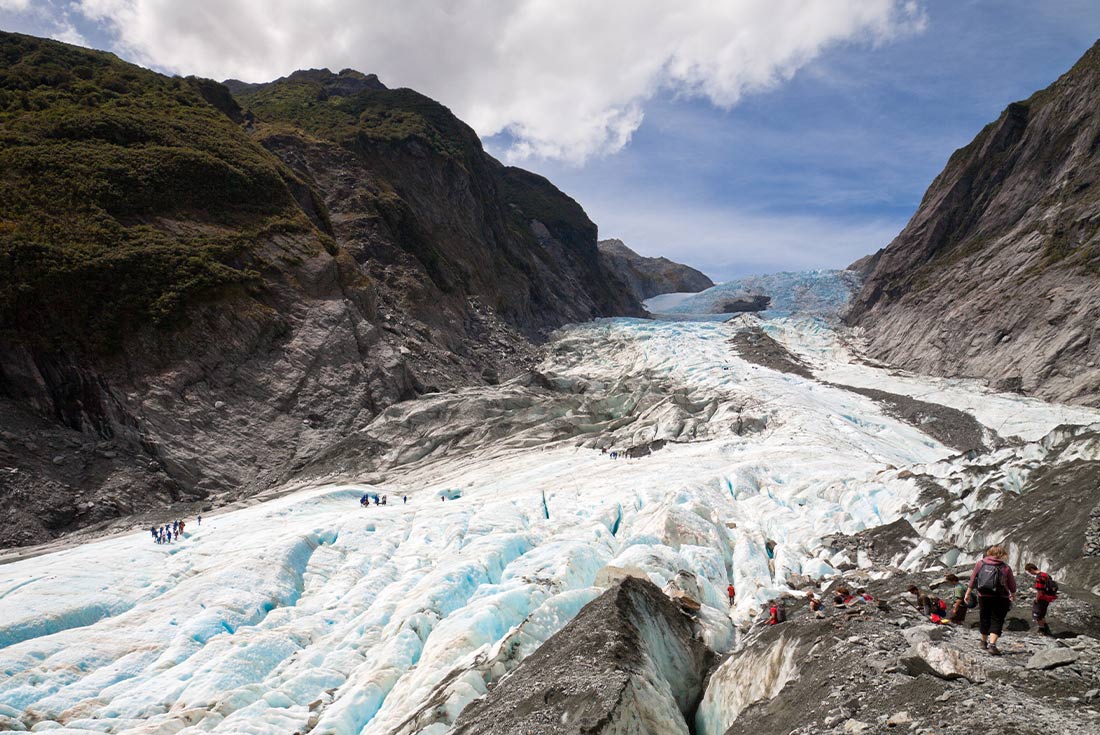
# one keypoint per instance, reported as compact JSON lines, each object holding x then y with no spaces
{"x":308,"y":612}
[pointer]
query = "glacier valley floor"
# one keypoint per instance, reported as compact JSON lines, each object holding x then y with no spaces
{"x":310,"y":612}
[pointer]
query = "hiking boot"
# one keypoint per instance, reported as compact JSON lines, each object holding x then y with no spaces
{"x":984,"y":645}
{"x":994,"y":651}
{"x":1045,"y":631}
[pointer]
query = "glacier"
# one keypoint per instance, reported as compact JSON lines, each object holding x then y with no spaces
{"x":307,"y":612}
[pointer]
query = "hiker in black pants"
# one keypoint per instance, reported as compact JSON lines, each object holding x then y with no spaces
{"x":1046,"y":592}
{"x":996,"y":587}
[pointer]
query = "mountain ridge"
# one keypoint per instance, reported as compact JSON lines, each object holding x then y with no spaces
{"x":649,"y":277}
{"x":997,"y":275}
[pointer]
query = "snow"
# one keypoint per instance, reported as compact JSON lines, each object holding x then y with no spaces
{"x":310,"y":611}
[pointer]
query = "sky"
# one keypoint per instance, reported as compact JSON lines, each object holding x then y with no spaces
{"x":738,"y":136}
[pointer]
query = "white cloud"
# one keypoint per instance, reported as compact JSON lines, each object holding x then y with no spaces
{"x":566,"y":79}
{"x":15,"y":5}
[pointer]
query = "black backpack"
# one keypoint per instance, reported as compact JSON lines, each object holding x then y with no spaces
{"x":1046,"y":584}
{"x":990,"y":580}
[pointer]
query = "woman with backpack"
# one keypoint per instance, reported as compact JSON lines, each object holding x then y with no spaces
{"x":992,"y":579}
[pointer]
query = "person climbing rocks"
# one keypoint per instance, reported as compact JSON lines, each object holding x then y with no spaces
{"x":773,"y":612}
{"x":957,"y":606}
{"x":843,"y":597}
{"x":816,"y":607}
{"x":992,"y":579}
{"x":927,"y":604}
{"x":1046,"y":592}
{"x":864,"y":595}
{"x":731,"y":593}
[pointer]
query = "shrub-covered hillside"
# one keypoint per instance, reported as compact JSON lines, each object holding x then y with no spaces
{"x":123,"y":194}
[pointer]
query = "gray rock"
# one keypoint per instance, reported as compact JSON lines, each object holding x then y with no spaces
{"x":629,"y":662}
{"x":1050,"y":658}
{"x":943,"y":661}
{"x":648,"y":277}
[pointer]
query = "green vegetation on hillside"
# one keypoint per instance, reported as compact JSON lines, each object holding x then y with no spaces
{"x":315,"y":104}
{"x":123,"y":195}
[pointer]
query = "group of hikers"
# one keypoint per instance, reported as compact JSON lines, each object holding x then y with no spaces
{"x":991,"y":589}
{"x":169,"y":531}
{"x":365,"y":501}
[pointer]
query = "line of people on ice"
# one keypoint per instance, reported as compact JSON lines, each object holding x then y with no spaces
{"x":366,"y":499}
{"x":991,"y":589}
{"x":169,"y":531}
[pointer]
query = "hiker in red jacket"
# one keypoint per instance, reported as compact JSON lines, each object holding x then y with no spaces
{"x":732,"y":593}
{"x":1046,"y":592}
{"x":996,"y":587}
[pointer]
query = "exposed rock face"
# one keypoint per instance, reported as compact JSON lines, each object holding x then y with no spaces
{"x":627,"y":664}
{"x":649,"y":277}
{"x":338,"y":247}
{"x":877,"y":667}
{"x":997,"y":275}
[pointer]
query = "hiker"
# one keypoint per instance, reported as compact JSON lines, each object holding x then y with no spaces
{"x":404,"y":499}
{"x":957,"y":606}
{"x":864,"y":595}
{"x":200,"y":519}
{"x":816,"y":607}
{"x":843,"y":597}
{"x":731,"y":593}
{"x":928,"y":604}
{"x":773,"y":612}
{"x":996,"y":587}
{"x":1046,"y":592}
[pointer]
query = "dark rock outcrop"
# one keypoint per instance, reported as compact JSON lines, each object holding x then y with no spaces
{"x":249,"y":274}
{"x":628,"y":663}
{"x":649,"y":277}
{"x":997,"y":275}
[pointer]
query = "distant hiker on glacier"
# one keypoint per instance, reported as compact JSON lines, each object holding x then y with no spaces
{"x":864,"y":595}
{"x":1046,"y":592}
{"x":996,"y":587}
{"x":731,"y":593}
{"x":199,"y":519}
{"x":957,"y":606}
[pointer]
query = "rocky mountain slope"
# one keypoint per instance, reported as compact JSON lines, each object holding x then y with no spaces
{"x":649,"y":277}
{"x":200,"y":290}
{"x":997,"y":275}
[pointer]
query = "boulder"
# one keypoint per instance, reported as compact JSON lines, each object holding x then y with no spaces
{"x":629,"y":662}
{"x":944,"y":661}
{"x":1050,"y":658}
